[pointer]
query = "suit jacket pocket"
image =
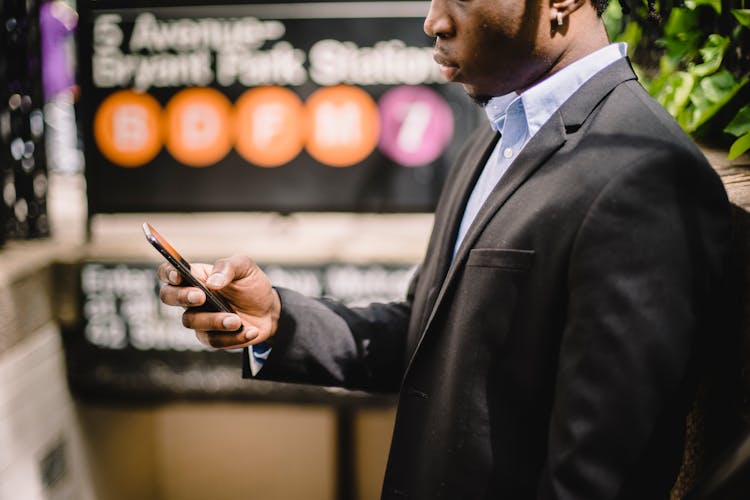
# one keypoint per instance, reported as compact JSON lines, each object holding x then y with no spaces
{"x":487,"y":292}
{"x":503,"y":258}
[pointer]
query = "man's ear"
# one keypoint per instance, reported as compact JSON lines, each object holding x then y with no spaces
{"x":561,"y":9}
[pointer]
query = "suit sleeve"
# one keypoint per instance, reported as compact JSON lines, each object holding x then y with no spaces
{"x":642,"y":273}
{"x":323,"y":342}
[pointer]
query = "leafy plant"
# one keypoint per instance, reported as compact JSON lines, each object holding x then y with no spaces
{"x":694,"y":58}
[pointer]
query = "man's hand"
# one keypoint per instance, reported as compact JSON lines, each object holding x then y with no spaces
{"x":246,"y":288}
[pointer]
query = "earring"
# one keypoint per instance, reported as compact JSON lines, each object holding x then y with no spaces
{"x":559,"y":19}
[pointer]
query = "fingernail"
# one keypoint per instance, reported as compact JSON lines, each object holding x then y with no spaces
{"x":215,"y":280}
{"x":231,"y":322}
{"x":193,"y":297}
{"x":251,"y":333}
{"x":173,"y":276}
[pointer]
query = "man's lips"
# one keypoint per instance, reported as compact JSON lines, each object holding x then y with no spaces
{"x":448,"y":69}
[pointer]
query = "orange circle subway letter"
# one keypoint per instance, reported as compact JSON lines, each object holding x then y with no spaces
{"x":343,"y":124}
{"x":127,"y":128}
{"x":199,"y":130}
{"x":269,"y":126}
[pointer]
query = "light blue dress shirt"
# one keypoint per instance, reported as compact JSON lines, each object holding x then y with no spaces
{"x":258,"y":355}
{"x":519,"y":117}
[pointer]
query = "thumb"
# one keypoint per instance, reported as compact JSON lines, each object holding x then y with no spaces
{"x":230,"y":269}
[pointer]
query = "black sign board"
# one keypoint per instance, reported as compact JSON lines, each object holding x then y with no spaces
{"x":129,"y":347}
{"x":307,"y":106}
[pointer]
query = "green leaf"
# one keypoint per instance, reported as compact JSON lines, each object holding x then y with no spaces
{"x":712,"y":54}
{"x":682,"y":38}
{"x":677,"y":51}
{"x":693,"y":4}
{"x":739,"y":146}
{"x":667,"y":65}
{"x":684,"y":117}
{"x":657,"y":84}
{"x":718,"y":87}
{"x":675,"y":92}
{"x":740,"y":124}
{"x":709,"y":96}
{"x":612,"y":18}
{"x":743,"y":16}
{"x":631,"y":35}
{"x":680,"y":23}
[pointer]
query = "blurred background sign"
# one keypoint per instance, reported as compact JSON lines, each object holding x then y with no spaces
{"x":129,"y":346}
{"x":324,"y":106}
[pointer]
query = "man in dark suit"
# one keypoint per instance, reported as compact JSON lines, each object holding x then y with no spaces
{"x":548,"y":346}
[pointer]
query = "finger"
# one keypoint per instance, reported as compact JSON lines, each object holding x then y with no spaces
{"x":181,"y":296}
{"x":168,"y":274}
{"x":227,"y":270}
{"x":214,"y":322}
{"x":222,"y":340}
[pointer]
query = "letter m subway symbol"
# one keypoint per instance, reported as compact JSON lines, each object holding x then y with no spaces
{"x":343,"y":125}
{"x":338,"y":125}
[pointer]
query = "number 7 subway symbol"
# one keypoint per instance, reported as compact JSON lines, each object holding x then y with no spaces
{"x":417,"y":125}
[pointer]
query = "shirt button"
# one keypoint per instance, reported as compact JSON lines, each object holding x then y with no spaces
{"x":508,"y":152}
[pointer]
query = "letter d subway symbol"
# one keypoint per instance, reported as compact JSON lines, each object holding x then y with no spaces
{"x":198,"y":126}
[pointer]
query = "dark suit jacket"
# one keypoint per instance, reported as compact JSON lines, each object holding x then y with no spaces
{"x":554,"y":356}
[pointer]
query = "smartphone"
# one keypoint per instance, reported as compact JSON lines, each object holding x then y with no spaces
{"x":214,"y":302}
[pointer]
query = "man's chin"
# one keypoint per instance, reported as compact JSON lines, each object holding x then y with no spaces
{"x":478,"y":98}
{"x":475,"y":94}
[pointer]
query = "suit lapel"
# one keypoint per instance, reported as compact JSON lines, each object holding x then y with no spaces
{"x":448,"y":216}
{"x":452,"y":212}
{"x":536,"y":152}
{"x":533,"y":155}
{"x":552,"y":136}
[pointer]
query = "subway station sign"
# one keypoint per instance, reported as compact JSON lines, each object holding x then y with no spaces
{"x":326,"y":106}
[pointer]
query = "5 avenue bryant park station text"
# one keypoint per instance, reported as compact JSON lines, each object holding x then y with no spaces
{"x":339,"y":123}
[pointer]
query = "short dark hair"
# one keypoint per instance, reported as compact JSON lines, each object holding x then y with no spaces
{"x":600,"y":5}
{"x":653,"y":14}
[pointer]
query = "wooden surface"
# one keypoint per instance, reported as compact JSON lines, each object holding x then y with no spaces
{"x":735,"y":175}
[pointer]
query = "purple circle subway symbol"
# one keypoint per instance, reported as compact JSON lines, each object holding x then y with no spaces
{"x":417,"y":125}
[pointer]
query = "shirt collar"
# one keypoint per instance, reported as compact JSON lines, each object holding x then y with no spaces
{"x":497,"y":108}
{"x":545,"y":98}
